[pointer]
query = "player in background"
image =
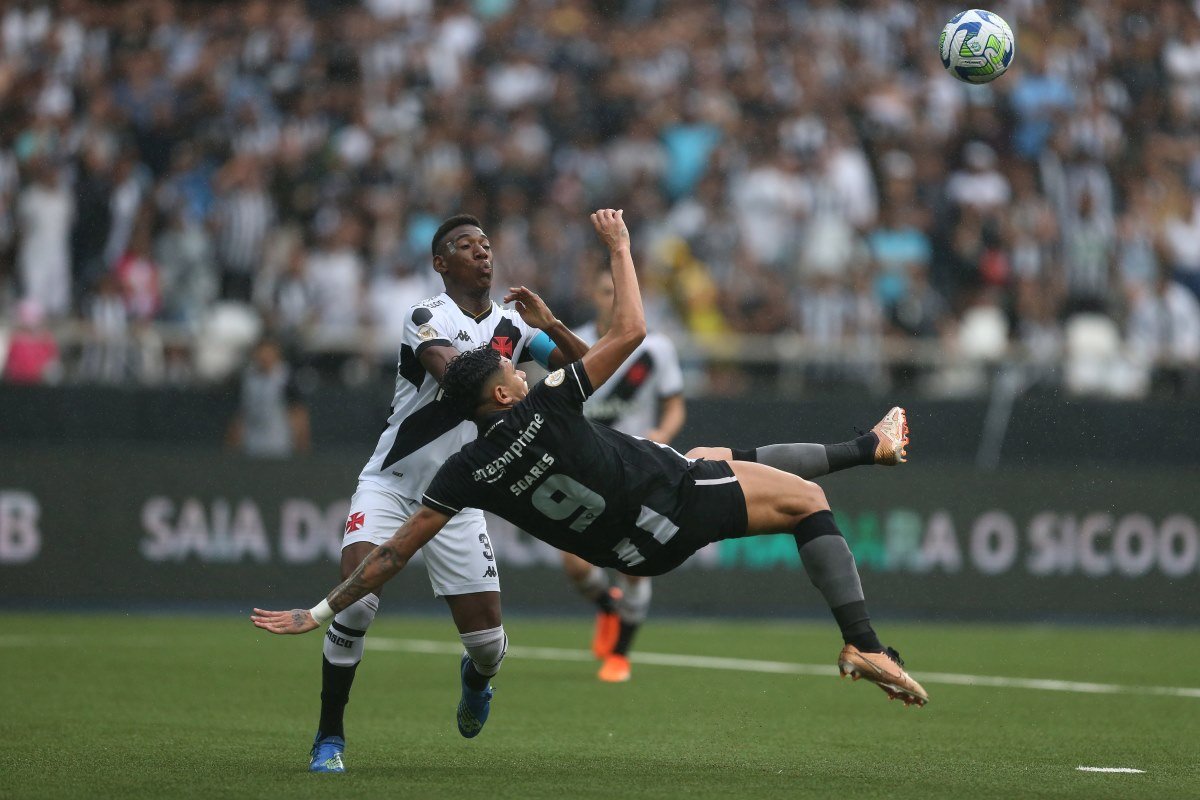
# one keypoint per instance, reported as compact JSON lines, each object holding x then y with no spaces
{"x":643,"y":398}
{"x":421,"y":433}
{"x":616,"y":500}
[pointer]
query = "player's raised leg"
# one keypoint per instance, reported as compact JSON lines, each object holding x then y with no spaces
{"x":886,"y":444}
{"x":593,"y":584}
{"x":777,"y":501}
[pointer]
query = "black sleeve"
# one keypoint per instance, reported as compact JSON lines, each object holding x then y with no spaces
{"x":564,"y":389}
{"x":450,"y":488}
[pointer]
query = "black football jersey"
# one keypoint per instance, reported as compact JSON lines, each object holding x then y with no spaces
{"x":577,"y":485}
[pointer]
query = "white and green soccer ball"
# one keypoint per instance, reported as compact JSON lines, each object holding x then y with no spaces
{"x":977,"y":46}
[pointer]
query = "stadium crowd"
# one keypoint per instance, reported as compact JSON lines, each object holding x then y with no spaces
{"x":802,"y":166}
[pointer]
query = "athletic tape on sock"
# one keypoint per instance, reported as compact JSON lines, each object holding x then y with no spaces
{"x":486,"y":649}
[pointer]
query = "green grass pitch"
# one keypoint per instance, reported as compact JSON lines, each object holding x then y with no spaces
{"x":164,"y":706}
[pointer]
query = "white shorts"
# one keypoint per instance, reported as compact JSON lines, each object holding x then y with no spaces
{"x":459,"y":559}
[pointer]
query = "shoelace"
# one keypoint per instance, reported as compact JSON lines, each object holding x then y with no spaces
{"x":894,"y":655}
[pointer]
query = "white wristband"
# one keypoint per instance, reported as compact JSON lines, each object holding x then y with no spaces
{"x":322,"y":612}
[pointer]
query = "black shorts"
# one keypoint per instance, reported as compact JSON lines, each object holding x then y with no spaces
{"x":709,"y":506}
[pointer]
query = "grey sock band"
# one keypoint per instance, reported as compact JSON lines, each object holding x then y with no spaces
{"x":806,"y":460}
{"x":634,"y":604}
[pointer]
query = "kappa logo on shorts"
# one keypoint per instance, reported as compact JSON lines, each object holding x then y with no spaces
{"x":491,"y":572}
{"x":355,"y":522}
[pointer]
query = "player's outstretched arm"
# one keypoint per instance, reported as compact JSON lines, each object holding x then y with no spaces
{"x":376,"y":569}
{"x":628,"y":319}
{"x":533,"y":310}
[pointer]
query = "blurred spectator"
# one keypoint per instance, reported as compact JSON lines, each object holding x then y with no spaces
{"x":187,"y":269}
{"x":1040,"y":99}
{"x":897,"y":247}
{"x":335,"y":276}
{"x":33,"y":355}
{"x":292,"y":308}
{"x":244,"y":215}
{"x":106,"y":353}
{"x":272,"y":420}
{"x":126,"y":205}
{"x":920,"y":312}
{"x":1164,"y":328}
{"x":93,"y":218}
{"x":138,"y":276}
{"x":391,"y":295}
{"x":1182,"y":238}
{"x":45,"y":210}
{"x":980,"y":185}
{"x":1087,"y":257}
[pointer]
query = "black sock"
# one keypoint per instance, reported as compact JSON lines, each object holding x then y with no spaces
{"x":475,"y":682}
{"x":854,"y":453}
{"x":335,"y":693}
{"x":855,"y":623}
{"x":625,"y":638}
{"x":830,"y":566}
{"x":605,"y":602}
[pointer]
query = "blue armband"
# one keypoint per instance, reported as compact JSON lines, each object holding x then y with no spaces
{"x":540,"y":349}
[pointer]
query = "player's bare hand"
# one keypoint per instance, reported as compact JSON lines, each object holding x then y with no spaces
{"x":610,"y":225}
{"x":298,"y":620}
{"x":531,"y":307}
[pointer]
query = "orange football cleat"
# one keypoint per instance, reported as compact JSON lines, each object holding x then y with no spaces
{"x":615,"y":669}
{"x":885,"y":670}
{"x":892,"y":432}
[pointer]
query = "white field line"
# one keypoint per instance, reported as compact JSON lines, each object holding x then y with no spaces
{"x":1129,"y":770}
{"x":786,"y":668}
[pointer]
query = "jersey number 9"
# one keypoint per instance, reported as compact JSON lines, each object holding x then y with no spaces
{"x":560,"y":496}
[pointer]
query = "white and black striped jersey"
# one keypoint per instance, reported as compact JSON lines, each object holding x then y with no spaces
{"x":628,"y":401}
{"x":577,"y":485}
{"x":421,"y":432}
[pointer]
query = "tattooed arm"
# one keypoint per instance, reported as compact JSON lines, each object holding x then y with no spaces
{"x":376,"y":569}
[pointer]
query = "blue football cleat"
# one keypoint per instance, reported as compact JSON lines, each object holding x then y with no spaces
{"x":327,"y":754}
{"x":474,"y":706}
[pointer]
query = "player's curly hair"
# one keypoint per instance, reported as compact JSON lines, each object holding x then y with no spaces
{"x":449,"y":225}
{"x":465,"y":377}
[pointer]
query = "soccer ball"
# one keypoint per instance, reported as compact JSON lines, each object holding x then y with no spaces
{"x":977,"y":46}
